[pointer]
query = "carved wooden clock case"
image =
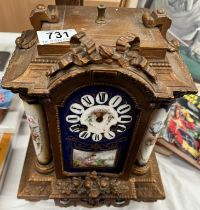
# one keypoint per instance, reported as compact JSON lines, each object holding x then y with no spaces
{"x":95,"y":104}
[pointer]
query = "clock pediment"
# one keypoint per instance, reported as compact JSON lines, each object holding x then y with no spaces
{"x":161,"y":77}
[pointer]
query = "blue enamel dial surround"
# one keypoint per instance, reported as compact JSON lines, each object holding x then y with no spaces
{"x":93,"y":148}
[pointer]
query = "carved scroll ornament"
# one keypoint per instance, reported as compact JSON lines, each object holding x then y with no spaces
{"x":38,"y":15}
{"x":26,"y":40}
{"x":157,"y":18}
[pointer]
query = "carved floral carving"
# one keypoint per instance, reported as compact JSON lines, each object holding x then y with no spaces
{"x":94,"y":186}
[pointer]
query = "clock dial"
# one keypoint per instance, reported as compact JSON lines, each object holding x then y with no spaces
{"x":99,"y":113}
{"x":97,"y":124}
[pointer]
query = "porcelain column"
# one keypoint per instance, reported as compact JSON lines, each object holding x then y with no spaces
{"x":36,"y":119}
{"x":148,"y":142}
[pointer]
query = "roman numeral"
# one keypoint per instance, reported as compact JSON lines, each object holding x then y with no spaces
{"x":120,"y":128}
{"x":123,"y":108}
{"x":74,"y":128}
{"x":125,"y":119}
{"x":87,"y":100}
{"x":110,"y":135}
{"x":115,"y":101}
{"x":96,"y":137}
{"x":72,"y":118}
{"x":84,"y":135}
{"x":76,"y":108}
{"x":101,"y":97}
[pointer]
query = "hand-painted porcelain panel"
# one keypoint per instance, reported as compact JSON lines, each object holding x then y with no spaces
{"x":97,"y":124}
{"x":148,"y":142}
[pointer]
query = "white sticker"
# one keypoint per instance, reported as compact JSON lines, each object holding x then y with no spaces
{"x":48,"y":37}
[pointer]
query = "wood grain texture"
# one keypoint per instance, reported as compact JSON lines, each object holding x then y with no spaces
{"x":107,"y":3}
{"x":130,"y":3}
{"x":69,"y":2}
{"x":14,"y":15}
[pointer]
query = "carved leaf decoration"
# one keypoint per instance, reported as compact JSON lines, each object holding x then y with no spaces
{"x":139,"y":61}
{"x":84,"y":50}
{"x":132,"y":54}
{"x":123,"y":62}
{"x":80,"y":56}
{"x":142,"y":63}
{"x":96,"y":58}
{"x":75,"y":40}
{"x":65,"y":60}
{"x":26,"y":40}
{"x":173,"y":45}
{"x":93,"y":186}
{"x":106,"y":51}
{"x":129,"y":41}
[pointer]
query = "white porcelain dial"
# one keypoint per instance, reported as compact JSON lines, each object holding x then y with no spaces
{"x":97,"y":114}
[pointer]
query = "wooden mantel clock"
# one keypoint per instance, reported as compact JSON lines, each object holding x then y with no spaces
{"x":95,"y":104}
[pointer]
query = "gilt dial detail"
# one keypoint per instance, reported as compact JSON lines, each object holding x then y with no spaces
{"x":99,"y":116}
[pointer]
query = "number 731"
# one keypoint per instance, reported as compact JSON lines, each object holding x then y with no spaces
{"x":57,"y":34}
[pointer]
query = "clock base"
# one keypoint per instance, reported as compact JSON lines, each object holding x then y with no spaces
{"x":92,"y":190}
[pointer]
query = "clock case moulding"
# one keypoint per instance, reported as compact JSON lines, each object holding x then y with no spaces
{"x":124,"y":48}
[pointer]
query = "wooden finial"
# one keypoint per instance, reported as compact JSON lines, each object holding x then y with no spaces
{"x":101,"y":14}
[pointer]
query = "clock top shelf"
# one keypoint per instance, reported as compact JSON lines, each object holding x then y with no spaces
{"x":121,"y":40}
{"x":117,"y":22}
